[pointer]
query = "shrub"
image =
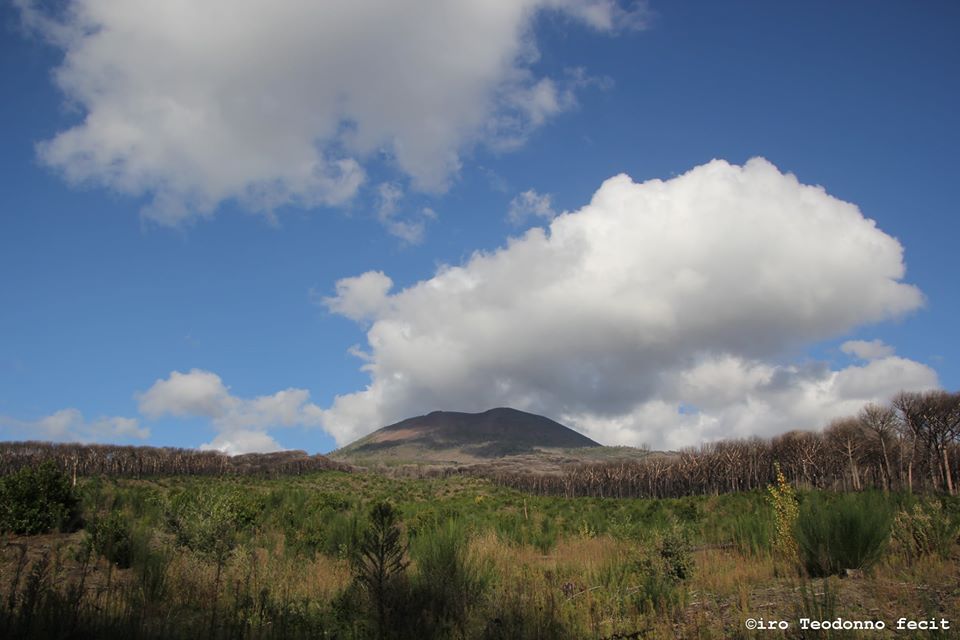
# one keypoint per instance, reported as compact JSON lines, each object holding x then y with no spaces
{"x":784,"y":503}
{"x":209,"y":521}
{"x":449,"y":580}
{"x":423,"y":520}
{"x":341,"y":535}
{"x":38,"y":499}
{"x":925,"y":529}
{"x":150,"y":564}
{"x":753,"y":533}
{"x":545,"y":535}
{"x":644,"y":578}
{"x":111,"y":537}
{"x":687,"y":510}
{"x":676,"y":552}
{"x":850,"y":532}
{"x":657,"y":590}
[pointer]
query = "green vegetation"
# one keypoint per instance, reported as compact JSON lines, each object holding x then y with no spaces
{"x":850,"y":531}
{"x":112,"y":538}
{"x":924,"y":528}
{"x":37,"y":500}
{"x":784,"y":502}
{"x":379,"y":562}
{"x":360,"y":556}
{"x":451,"y":581}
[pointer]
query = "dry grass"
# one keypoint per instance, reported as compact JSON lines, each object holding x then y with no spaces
{"x":584,"y":586}
{"x":566,"y":587}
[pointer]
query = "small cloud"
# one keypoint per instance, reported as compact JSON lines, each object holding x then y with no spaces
{"x":496,"y":181}
{"x":528,"y":105}
{"x":867,"y":350}
{"x":611,"y":16}
{"x":530,"y":203}
{"x":578,"y":78}
{"x":242,"y":423}
{"x":358,"y":352}
{"x":360,"y":297}
{"x":238,"y":442}
{"x":69,"y":425}
{"x":410,"y":230}
{"x":196,"y":393}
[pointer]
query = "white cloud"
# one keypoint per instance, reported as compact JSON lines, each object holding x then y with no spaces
{"x":197,"y":393}
{"x":752,"y":398}
{"x":410,"y":229}
{"x":69,"y":425}
{"x":242,"y":423}
{"x":530,"y":203}
{"x":240,"y":441}
{"x":360,"y":297}
{"x":661,"y":313}
{"x":867,"y":350}
{"x":281,"y":103}
{"x":542,"y":101}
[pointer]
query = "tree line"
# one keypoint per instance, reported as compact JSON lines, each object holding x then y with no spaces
{"x":911,"y":443}
{"x":137,"y":462}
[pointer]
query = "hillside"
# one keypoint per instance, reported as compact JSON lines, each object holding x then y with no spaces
{"x":501,"y":435}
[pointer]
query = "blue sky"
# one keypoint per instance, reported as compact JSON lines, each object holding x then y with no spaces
{"x":169,"y":269}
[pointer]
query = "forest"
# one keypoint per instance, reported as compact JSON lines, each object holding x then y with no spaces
{"x":910,"y":444}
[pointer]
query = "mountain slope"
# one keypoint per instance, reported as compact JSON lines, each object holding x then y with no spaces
{"x":450,"y":437}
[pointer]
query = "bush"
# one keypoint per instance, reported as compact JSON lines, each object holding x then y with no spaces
{"x":37,"y":500}
{"x":784,"y":502}
{"x":925,"y":529}
{"x":545,"y":535}
{"x":676,"y":552}
{"x":850,"y":532}
{"x":341,"y":535}
{"x":657,"y":590}
{"x":127,"y":546}
{"x":209,"y":521}
{"x":111,"y":537}
{"x":645,"y":578}
{"x":753,"y":533}
{"x":449,"y":580}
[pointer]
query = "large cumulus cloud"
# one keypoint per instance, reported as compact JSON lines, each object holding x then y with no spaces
{"x":662,"y":312}
{"x":282,"y":103}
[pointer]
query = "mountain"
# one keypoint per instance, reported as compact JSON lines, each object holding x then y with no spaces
{"x":451,"y":437}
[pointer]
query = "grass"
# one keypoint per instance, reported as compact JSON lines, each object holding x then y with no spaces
{"x":270,"y":558}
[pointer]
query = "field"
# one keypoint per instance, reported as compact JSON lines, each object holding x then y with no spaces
{"x":181,"y":557}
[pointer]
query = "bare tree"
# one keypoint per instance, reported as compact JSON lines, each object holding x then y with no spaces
{"x":933,"y":420}
{"x":845,"y":437}
{"x":879,"y":423}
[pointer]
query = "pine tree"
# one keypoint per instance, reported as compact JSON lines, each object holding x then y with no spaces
{"x":380,"y":560}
